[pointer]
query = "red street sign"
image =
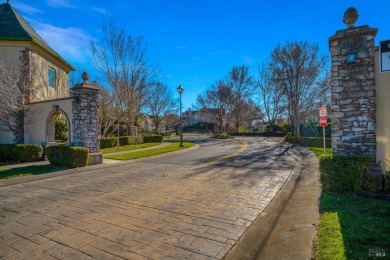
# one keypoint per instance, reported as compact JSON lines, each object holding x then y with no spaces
{"x":322,"y":112}
{"x":323,"y":121}
{"x":323,"y":117}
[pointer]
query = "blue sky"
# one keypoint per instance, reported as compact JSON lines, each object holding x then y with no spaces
{"x":196,"y":42}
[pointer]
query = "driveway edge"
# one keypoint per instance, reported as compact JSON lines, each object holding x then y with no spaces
{"x":287,"y":227}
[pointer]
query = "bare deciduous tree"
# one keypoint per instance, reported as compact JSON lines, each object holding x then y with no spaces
{"x":121,"y":60}
{"x":108,"y":115}
{"x":218,"y":103}
{"x":242,"y":88}
{"x":16,"y":91}
{"x":272,"y":98}
{"x":302,"y":71}
{"x":160,"y":103}
{"x":250,"y":112}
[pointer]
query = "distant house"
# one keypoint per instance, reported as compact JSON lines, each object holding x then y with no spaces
{"x":22,"y":47}
{"x":191,"y":117}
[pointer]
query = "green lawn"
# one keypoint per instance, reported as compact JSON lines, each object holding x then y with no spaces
{"x":320,"y":151}
{"x":352,"y":227}
{"x":28,"y":170}
{"x":140,"y":154}
{"x":127,"y":147}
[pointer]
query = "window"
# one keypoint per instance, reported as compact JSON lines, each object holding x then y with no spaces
{"x":52,"y":78}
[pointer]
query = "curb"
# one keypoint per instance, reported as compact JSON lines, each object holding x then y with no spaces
{"x":287,"y":227}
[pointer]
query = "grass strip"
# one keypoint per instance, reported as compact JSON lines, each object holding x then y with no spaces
{"x":129,"y":156}
{"x":353,"y":227}
{"x":320,"y":151}
{"x":28,"y":170}
{"x":127,"y":147}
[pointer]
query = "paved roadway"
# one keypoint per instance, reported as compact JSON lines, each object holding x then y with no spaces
{"x":192,"y":205}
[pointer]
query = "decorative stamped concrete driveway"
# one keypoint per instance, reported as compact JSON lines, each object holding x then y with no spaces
{"x":146,"y":210}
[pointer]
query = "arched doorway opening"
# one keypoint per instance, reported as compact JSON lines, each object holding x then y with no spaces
{"x":57,"y":127}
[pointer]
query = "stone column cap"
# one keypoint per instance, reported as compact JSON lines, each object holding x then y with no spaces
{"x":353,"y":32}
{"x":85,"y":86}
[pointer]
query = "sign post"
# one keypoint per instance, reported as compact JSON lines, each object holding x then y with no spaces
{"x":323,"y":123}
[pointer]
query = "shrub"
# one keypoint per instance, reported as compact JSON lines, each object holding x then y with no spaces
{"x":344,"y":173}
{"x":221,"y":135}
{"x":28,"y":152}
{"x":123,"y":140}
{"x":108,"y":142}
{"x":153,"y":138}
{"x":61,"y":129}
{"x":20,"y":152}
{"x":67,"y":156}
{"x":166,"y":133}
{"x":7,"y":152}
{"x":135,"y":139}
{"x":309,"y":141}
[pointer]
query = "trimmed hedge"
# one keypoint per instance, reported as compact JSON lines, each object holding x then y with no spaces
{"x":108,"y":142}
{"x":28,"y":152}
{"x":343,"y":173}
{"x":123,"y":140}
{"x":153,"y":139}
{"x":221,"y":135}
{"x":72,"y":157}
{"x":165,"y":133}
{"x":263,"y":134}
{"x":310,"y":141}
{"x":7,"y":152}
{"x":21,"y":152}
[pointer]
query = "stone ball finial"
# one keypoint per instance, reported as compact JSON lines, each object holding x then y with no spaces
{"x":85,"y":77}
{"x":350,"y":16}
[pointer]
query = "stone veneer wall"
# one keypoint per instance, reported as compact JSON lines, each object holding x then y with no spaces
{"x":353,"y":92}
{"x":86,"y":117}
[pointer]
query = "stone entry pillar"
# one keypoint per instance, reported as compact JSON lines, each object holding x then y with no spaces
{"x":353,"y":88}
{"x":86,"y":115}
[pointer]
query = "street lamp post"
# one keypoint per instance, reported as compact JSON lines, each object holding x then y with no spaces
{"x":180,"y":90}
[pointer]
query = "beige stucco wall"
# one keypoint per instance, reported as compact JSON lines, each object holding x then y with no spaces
{"x":40,"y":76}
{"x":382,"y":84}
{"x":40,"y":62}
{"x":11,"y":54}
{"x":36,"y":130}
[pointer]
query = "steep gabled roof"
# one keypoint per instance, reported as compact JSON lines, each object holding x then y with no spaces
{"x":13,"y":27}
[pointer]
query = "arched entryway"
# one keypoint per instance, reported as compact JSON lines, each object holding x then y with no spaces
{"x":58,"y":128}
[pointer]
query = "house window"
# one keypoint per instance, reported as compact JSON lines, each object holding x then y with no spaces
{"x":52,"y":78}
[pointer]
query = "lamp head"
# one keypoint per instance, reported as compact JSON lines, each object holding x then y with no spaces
{"x":180,"y":89}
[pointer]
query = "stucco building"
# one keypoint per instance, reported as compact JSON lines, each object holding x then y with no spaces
{"x":22,"y":49}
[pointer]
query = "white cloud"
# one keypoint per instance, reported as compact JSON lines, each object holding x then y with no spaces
{"x":99,"y":10}
{"x":248,"y":60}
{"x":60,"y":3}
{"x":73,"y":44}
{"x":26,"y":8}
